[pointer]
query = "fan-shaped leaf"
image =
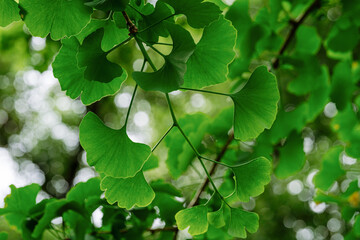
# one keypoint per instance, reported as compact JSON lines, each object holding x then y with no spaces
{"x":111,"y":151}
{"x":9,"y":12}
{"x":251,"y":178}
{"x":60,"y":18}
{"x":128,"y":192}
{"x":195,"y":217}
{"x":208,"y":65}
{"x":255,"y":105}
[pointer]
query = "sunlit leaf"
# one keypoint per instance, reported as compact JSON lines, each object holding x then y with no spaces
{"x":198,"y":13}
{"x":208,"y":65}
{"x":195,"y":218}
{"x":72,"y":79}
{"x":9,"y":12}
{"x":255,"y":105}
{"x":112,"y":34}
{"x":19,"y":203}
{"x":242,"y":221}
{"x":128,"y":192}
{"x":251,"y":178}
{"x":60,"y":18}
{"x":115,"y":155}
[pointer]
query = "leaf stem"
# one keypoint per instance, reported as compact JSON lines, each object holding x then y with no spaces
{"x":162,"y":138}
{"x":144,"y":52}
{"x":131,"y":103}
{"x":156,"y":23}
{"x":120,"y":44}
{"x":206,"y":91}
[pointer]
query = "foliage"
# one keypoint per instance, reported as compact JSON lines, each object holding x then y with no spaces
{"x":275,"y":72}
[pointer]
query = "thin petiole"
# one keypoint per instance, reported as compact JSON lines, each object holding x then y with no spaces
{"x":156,"y":23}
{"x":220,"y":163}
{"x":144,"y":52}
{"x":211,"y":181}
{"x":131,"y":103}
{"x":153,"y":48}
{"x":162,"y":138}
{"x":205,"y":91}
{"x":120,"y":44}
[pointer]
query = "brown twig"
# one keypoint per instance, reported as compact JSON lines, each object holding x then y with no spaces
{"x":295,"y":26}
{"x":132,"y":27}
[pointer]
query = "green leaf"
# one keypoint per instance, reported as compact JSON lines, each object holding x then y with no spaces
{"x":112,"y":34}
{"x":208,"y":65}
{"x":198,"y":13}
{"x":9,"y":12}
{"x":60,"y":18}
{"x":343,"y":38}
{"x":255,"y":105}
{"x":218,"y":218}
{"x":342,"y":86}
{"x":180,"y":153}
{"x":171,"y":76}
{"x":128,"y":192}
{"x":115,"y":155}
{"x":251,"y":178}
{"x":291,"y":157}
{"x":161,"y":12}
{"x":195,"y":218}
{"x":107,"y":5}
{"x":72,"y":79}
{"x":84,"y":190}
{"x":307,"y":40}
{"x":151,"y":163}
{"x":19,"y":203}
{"x":56,"y":209}
{"x":97,"y":67}
{"x":3,"y":235}
{"x":240,"y":221}
{"x":330,"y":170}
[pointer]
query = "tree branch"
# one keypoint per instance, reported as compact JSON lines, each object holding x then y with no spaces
{"x":295,"y":26}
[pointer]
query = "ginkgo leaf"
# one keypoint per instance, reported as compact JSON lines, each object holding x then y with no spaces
{"x":57,"y":209}
{"x":106,"y":5}
{"x":128,"y":192}
{"x":330,"y":170}
{"x":242,"y":221}
{"x":161,"y":12}
{"x":291,"y":157}
{"x":218,"y":218}
{"x":171,"y":76}
{"x":251,"y":178}
{"x":9,"y":12}
{"x":112,"y":34}
{"x":84,"y":190}
{"x":72,"y":79}
{"x":19,"y":203}
{"x":60,"y":18}
{"x":111,"y":151}
{"x":255,"y":105}
{"x":343,"y":38}
{"x":208,"y":65}
{"x":97,"y":67}
{"x":195,"y":218}
{"x":342,"y":85}
{"x":307,"y":40}
{"x":198,"y":13}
